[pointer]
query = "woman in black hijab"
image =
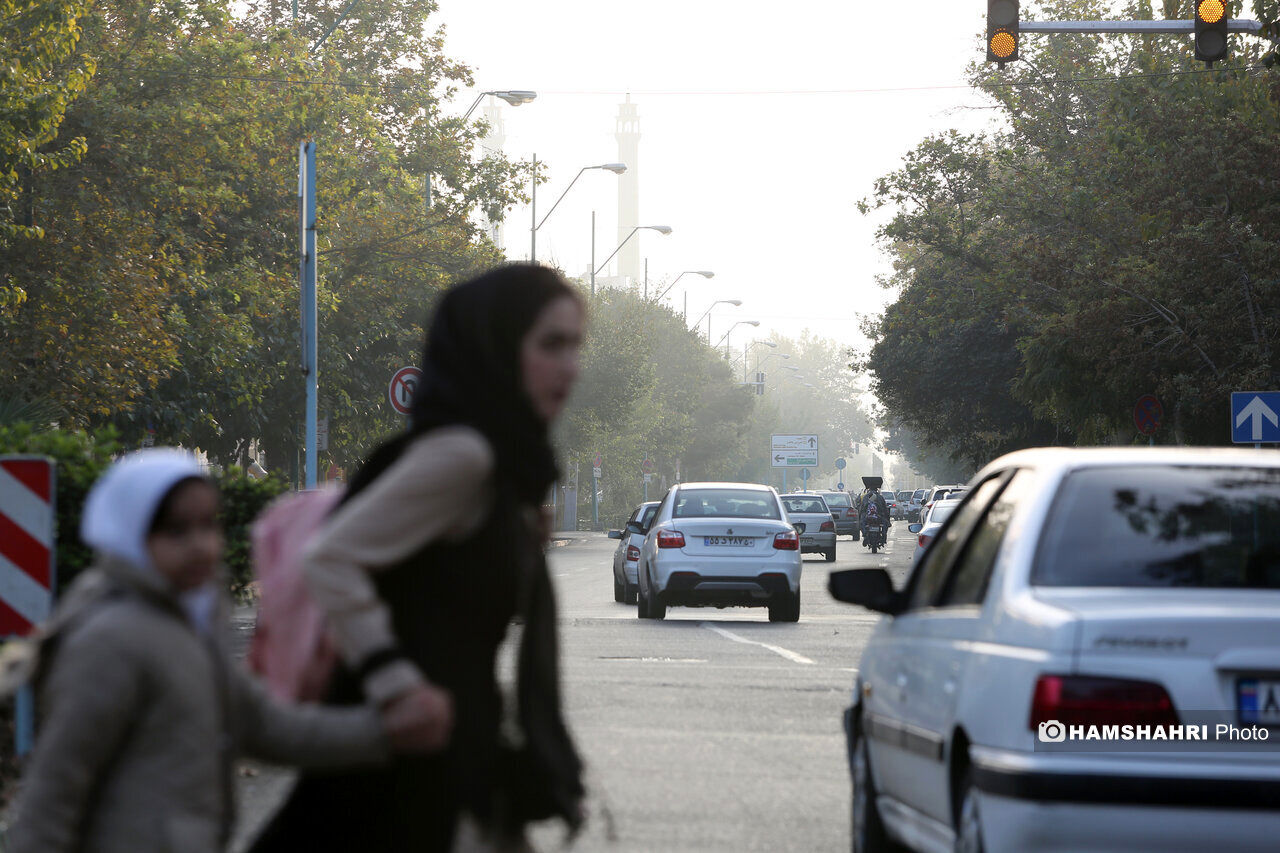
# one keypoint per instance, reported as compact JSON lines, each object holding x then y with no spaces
{"x":436,"y":548}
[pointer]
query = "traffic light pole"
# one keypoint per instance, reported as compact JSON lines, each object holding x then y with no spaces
{"x":1132,"y":27}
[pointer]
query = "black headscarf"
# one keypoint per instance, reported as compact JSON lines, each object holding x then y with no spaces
{"x":471,"y":375}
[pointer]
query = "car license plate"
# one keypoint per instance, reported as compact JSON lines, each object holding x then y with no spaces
{"x":1259,"y":701}
{"x":873,"y":528}
{"x":734,"y":541}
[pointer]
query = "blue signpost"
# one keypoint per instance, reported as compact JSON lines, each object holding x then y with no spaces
{"x":1255,"y":417}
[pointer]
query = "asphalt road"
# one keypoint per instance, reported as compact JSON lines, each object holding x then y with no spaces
{"x":713,"y":730}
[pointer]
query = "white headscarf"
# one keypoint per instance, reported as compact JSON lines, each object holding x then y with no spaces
{"x":123,"y":503}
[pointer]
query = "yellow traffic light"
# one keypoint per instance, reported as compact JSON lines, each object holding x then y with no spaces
{"x":1211,"y":11}
{"x":1211,"y":30}
{"x":1003,"y":44}
{"x":1002,"y":30}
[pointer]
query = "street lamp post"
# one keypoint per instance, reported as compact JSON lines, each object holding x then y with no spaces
{"x":514,"y":97}
{"x":661,"y":229}
{"x":725,"y":339}
{"x":747,"y":347}
{"x":703,"y":273}
{"x":736,"y":303}
{"x":535,"y":224}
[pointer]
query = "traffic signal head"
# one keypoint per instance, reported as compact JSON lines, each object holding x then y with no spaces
{"x":1211,"y":30}
{"x":1002,"y":31}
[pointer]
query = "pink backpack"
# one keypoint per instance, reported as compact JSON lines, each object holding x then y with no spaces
{"x":291,"y":648}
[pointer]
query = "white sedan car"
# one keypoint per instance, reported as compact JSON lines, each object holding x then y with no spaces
{"x":1086,"y":658}
{"x":927,"y":529}
{"x":720,"y":545}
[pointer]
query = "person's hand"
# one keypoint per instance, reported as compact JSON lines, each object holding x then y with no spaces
{"x":420,"y":720}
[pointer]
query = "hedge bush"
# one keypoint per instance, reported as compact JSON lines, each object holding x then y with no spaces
{"x":81,"y":458}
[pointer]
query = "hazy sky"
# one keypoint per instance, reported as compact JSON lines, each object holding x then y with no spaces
{"x":762,"y":126}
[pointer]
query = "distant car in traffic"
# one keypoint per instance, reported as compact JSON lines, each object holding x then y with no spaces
{"x":1078,"y":594}
{"x":627,"y":554}
{"x":937,"y":493}
{"x":917,"y":503}
{"x":842,"y":510}
{"x":812,"y":519}
{"x":904,"y":504}
{"x":720,"y":545}
{"x":927,"y":529}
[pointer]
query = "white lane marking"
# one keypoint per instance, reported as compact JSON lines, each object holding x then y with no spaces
{"x":778,"y":650}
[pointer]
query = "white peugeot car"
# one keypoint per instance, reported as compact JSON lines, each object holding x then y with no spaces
{"x":720,"y":545}
{"x":1076,"y":590}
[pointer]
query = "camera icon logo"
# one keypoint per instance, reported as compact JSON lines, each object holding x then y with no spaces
{"x":1051,"y":731}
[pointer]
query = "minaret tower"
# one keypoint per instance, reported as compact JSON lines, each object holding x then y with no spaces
{"x":628,"y":135}
{"x":492,"y":144}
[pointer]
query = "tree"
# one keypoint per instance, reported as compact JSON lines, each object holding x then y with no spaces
{"x":1109,"y":241}
{"x":40,"y":76}
{"x":167,"y":282}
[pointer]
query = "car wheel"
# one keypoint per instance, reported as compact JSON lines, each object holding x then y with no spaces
{"x":657,"y":610}
{"x":868,"y":829}
{"x":969,"y":822}
{"x":830,"y":554}
{"x":619,"y":590}
{"x":629,"y":594}
{"x":786,"y":610}
{"x":642,"y":599}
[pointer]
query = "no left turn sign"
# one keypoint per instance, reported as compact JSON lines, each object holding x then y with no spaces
{"x":401,"y":389}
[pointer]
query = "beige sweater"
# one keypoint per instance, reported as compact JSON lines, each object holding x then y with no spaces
{"x":438,"y":490}
{"x":142,"y":718}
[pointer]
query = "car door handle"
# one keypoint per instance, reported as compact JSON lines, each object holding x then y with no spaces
{"x":901,"y":683}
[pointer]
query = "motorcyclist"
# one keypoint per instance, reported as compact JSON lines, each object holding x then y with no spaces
{"x":871,"y":497}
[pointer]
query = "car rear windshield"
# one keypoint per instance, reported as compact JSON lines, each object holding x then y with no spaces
{"x":726,"y":503}
{"x":804,"y":505}
{"x":1164,"y":526}
{"x":919,"y":493}
{"x":836,"y":500}
{"x":904,"y":496}
{"x":940,"y":512}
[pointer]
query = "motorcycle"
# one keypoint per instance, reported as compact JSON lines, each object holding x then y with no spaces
{"x":873,"y":534}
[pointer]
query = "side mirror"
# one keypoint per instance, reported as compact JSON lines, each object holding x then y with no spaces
{"x":634,"y":527}
{"x":870,"y":588}
{"x":615,"y":534}
{"x":915,"y":528}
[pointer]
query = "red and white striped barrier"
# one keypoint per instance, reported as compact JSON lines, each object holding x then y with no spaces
{"x":27,"y":523}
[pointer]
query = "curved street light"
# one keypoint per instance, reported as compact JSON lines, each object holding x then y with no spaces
{"x":747,"y":348}
{"x":736,"y":303}
{"x":703,"y":273}
{"x":731,"y":328}
{"x":616,"y":168}
{"x":661,"y":229}
{"x":514,"y":97}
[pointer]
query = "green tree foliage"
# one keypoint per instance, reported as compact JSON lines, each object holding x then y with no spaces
{"x":649,"y":388}
{"x":165,"y":294}
{"x":40,"y":74}
{"x":1115,"y":238}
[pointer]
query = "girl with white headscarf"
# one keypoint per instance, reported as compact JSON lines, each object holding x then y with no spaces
{"x":143,"y":711}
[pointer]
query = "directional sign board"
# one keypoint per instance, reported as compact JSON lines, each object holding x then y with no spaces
{"x":1255,"y":417}
{"x":793,"y":451}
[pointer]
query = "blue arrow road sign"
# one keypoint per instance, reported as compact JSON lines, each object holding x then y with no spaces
{"x":1255,"y":417}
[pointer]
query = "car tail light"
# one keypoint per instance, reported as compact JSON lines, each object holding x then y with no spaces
{"x":1092,"y":701}
{"x":924,"y":539}
{"x":827,"y":527}
{"x":670,"y":539}
{"x":789,"y":541}
{"x":633,"y":553}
